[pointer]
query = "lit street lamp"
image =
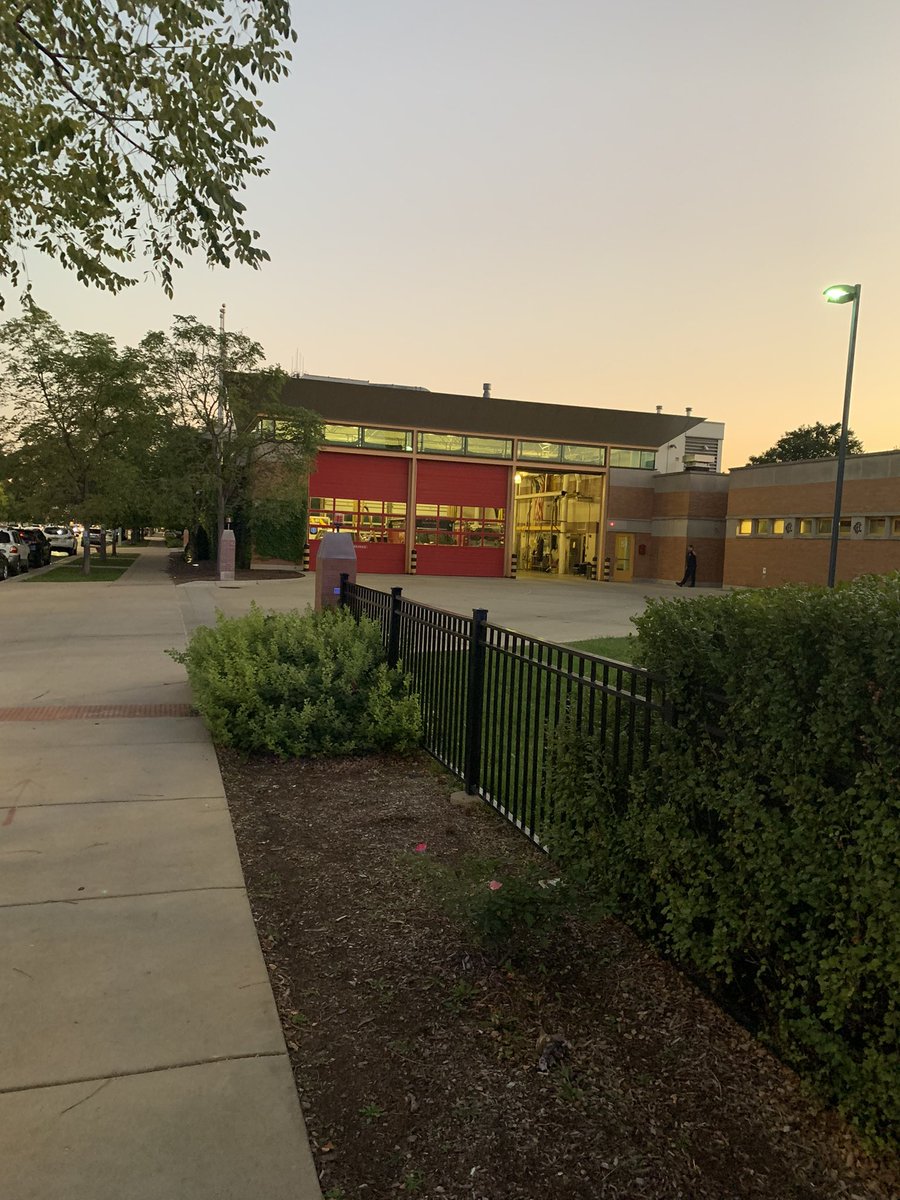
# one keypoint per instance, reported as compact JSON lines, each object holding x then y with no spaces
{"x":842,"y":293}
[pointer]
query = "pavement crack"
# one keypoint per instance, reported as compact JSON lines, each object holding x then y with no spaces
{"x":84,"y":1099}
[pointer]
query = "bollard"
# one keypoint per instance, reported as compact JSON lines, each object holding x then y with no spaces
{"x":606,"y":569}
{"x":594,"y":569}
{"x":226,"y":555}
{"x":413,"y":556}
{"x":513,"y":565}
{"x":336,"y":558}
{"x":306,"y":556}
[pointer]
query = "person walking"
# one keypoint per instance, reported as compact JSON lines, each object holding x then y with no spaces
{"x":689,"y":578}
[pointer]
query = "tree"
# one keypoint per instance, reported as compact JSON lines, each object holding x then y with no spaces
{"x":84,"y":422}
{"x":215,"y":389}
{"x":809,"y":442}
{"x":129,"y":129}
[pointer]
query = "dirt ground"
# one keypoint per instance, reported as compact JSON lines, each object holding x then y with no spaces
{"x":419,"y":1056}
{"x":182,"y":572}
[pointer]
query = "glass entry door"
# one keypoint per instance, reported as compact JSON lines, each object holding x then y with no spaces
{"x":623,"y":563}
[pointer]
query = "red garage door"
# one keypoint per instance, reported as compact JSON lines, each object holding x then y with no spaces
{"x":362,"y":494}
{"x":459,"y":519}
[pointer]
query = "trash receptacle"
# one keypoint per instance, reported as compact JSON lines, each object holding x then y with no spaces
{"x":336,"y":557}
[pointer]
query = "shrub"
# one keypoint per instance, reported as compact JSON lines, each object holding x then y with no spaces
{"x":760,"y":846}
{"x":299,"y":684}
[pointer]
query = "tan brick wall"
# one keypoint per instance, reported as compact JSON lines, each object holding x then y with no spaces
{"x":672,"y":505}
{"x":668,"y":554}
{"x":630,"y":503}
{"x":876,"y":496}
{"x":802,"y":560}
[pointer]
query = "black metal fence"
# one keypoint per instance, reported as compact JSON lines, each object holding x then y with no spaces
{"x":493,"y":700}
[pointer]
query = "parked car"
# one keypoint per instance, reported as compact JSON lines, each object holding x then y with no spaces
{"x":37,"y":546}
{"x":12,"y":561}
{"x":96,"y":535}
{"x":60,"y":537}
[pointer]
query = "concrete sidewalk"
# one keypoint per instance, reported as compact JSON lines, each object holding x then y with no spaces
{"x":142,"y":1057}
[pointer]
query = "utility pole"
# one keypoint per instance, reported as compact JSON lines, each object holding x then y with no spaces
{"x":225,"y":545}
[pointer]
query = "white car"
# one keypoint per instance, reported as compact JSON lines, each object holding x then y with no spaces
{"x":60,"y":537}
{"x":12,"y":560}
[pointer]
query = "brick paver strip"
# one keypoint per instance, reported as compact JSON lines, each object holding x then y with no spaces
{"x":87,"y":712}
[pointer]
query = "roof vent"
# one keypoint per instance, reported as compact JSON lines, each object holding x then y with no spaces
{"x":659,"y":408}
{"x":688,"y":411}
{"x":486,"y":391}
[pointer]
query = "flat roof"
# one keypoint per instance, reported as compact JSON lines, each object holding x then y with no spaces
{"x":352,"y":402}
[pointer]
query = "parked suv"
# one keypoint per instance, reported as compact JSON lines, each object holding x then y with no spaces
{"x":12,"y":560}
{"x":60,"y":537}
{"x":38,"y":548}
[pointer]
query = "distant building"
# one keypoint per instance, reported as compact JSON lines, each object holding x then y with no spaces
{"x":440,"y":484}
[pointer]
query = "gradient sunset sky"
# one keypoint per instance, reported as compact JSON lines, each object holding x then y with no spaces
{"x":583,"y":202}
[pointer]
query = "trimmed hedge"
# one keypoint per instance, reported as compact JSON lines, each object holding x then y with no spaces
{"x":760,"y":847}
{"x":297,"y":684}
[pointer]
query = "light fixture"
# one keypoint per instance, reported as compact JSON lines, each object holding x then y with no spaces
{"x":517,"y":478}
{"x":841,"y":293}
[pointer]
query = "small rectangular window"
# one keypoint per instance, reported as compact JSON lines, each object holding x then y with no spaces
{"x":587,"y":456}
{"x":485,"y":447}
{"x":441,"y":443}
{"x":764,"y":525}
{"x":876,"y":527}
{"x":744,"y":527}
{"x":387,"y":439}
{"x":844,"y":527}
{"x":543,"y":451}
{"x":778,"y":527}
{"x":823,"y":526}
{"x":895,"y":526}
{"x":341,"y":435}
{"x":805,"y":526}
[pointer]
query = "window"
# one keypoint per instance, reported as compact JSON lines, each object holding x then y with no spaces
{"x":341,"y":435}
{"x":587,"y":456}
{"x":387,"y":439}
{"x":452,"y":525}
{"x":844,"y":527}
{"x":823,"y":526}
{"x":367,"y":520}
{"x":441,"y":443}
{"x":489,"y":447}
{"x":876,"y":527}
{"x":770,"y":526}
{"x":643,"y":459}
{"x":542,"y":451}
{"x":895,"y":526}
{"x":744,"y":527}
{"x":805,"y":526}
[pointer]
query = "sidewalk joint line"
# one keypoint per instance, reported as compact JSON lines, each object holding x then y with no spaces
{"x":125,"y":800}
{"x":213,"y":887}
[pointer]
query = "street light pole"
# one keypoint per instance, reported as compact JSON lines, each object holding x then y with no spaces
{"x":842,"y":294}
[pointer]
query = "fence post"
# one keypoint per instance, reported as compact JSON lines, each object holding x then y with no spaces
{"x":345,"y":580}
{"x":393,"y":646}
{"x":475,"y":700}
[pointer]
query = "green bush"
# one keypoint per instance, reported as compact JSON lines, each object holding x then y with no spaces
{"x":760,"y":846}
{"x":299,"y":684}
{"x":279,"y":528}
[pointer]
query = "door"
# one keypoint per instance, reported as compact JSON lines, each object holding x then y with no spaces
{"x":623,"y":563}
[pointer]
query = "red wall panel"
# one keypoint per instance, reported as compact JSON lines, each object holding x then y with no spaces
{"x":372,"y":558}
{"x":460,"y":560}
{"x":466,"y":483}
{"x":359,"y":477}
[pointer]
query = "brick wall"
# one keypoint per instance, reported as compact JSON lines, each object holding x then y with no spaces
{"x":804,"y":560}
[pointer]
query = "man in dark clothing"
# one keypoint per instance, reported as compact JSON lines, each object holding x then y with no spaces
{"x":689,"y":578}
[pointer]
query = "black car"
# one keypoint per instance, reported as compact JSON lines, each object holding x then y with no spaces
{"x":38,"y":546}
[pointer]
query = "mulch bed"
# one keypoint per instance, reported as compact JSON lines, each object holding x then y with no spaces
{"x":182,"y":572}
{"x":416,"y":1053}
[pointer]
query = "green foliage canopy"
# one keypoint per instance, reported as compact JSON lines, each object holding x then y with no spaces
{"x":130,"y":128}
{"x":809,"y":442}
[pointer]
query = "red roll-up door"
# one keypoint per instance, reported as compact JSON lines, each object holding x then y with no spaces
{"x":359,"y":476}
{"x":461,"y":483}
{"x":363,"y":477}
{"x":466,"y":485}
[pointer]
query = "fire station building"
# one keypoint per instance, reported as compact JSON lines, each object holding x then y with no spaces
{"x":437,"y":484}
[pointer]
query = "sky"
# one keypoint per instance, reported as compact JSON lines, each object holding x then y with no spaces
{"x":582,"y":202}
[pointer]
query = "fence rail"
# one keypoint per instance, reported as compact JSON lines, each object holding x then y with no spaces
{"x":492,"y":700}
